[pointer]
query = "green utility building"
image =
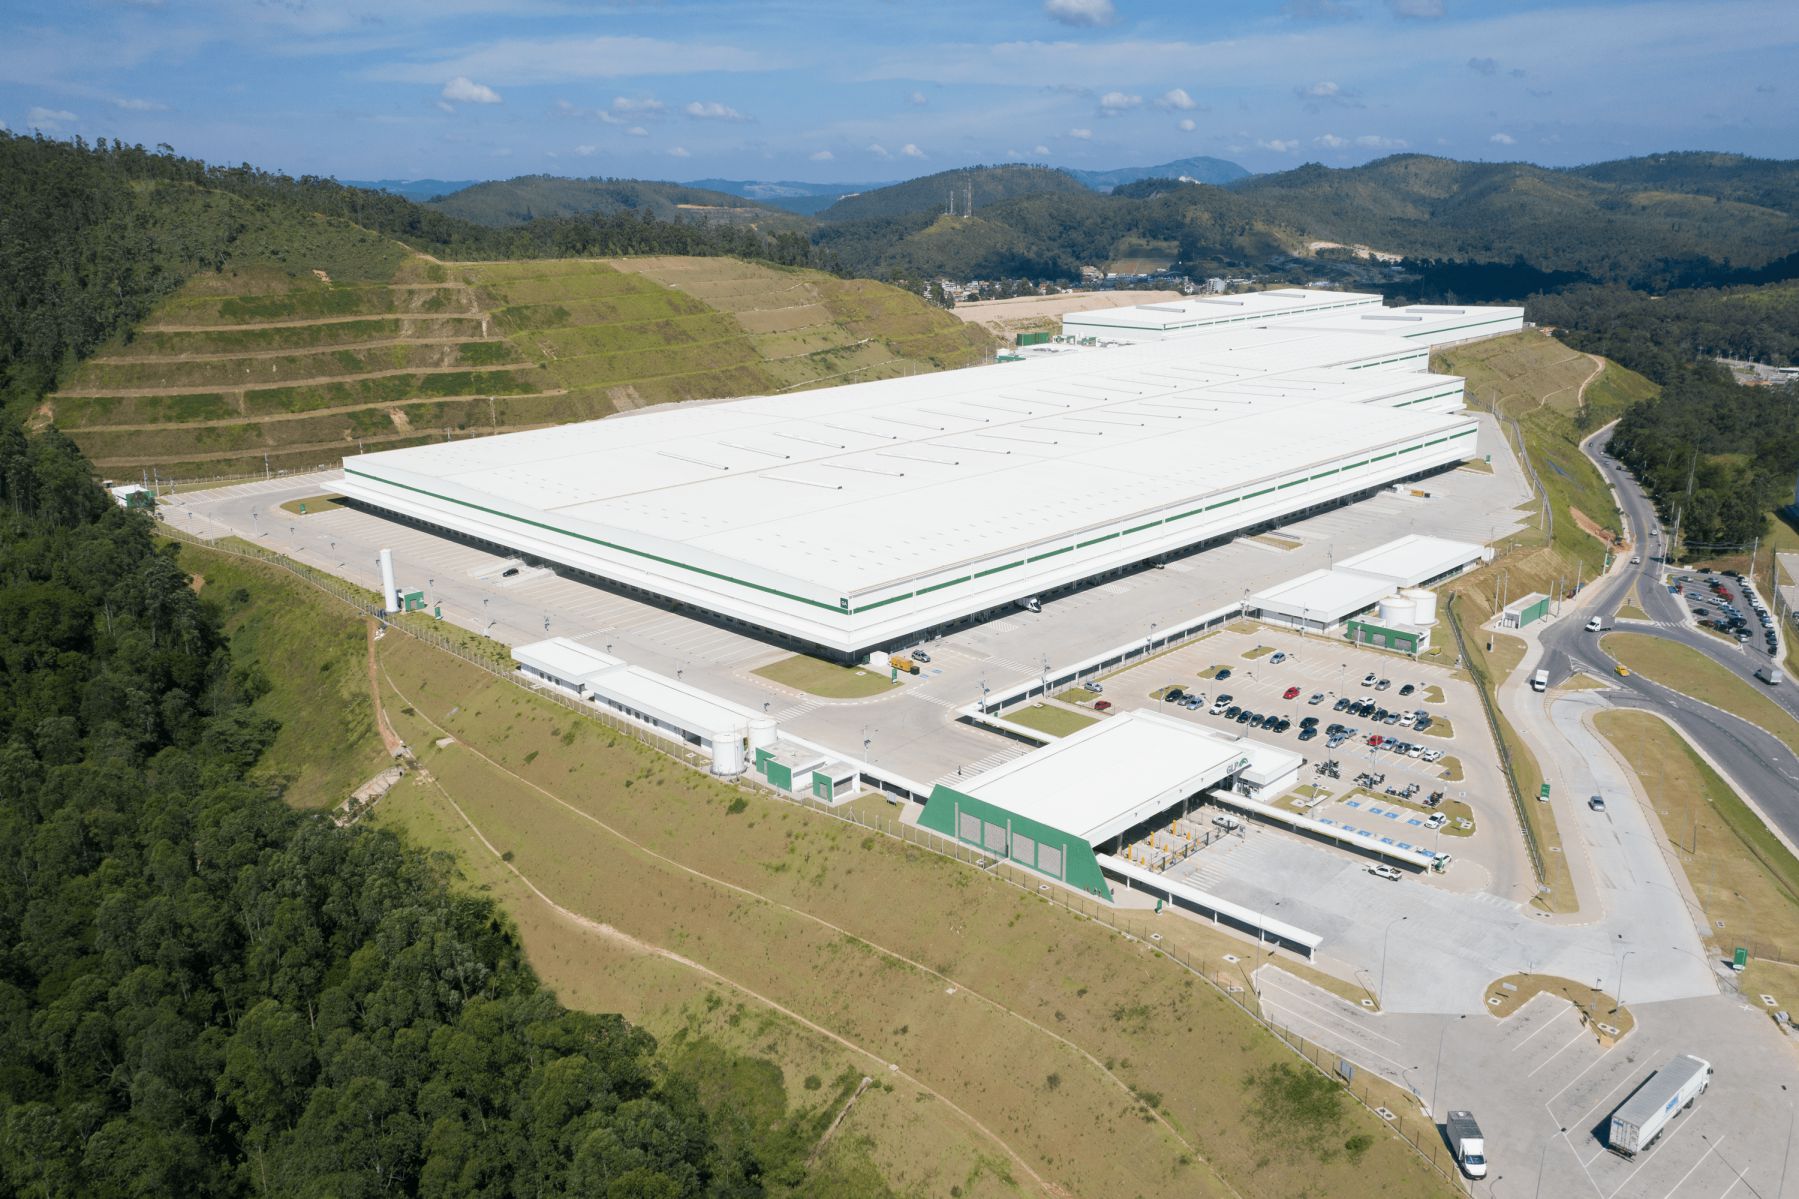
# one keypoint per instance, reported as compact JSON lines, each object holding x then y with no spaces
{"x":1529,"y":610}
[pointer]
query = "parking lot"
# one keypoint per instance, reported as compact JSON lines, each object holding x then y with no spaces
{"x":1386,"y":794}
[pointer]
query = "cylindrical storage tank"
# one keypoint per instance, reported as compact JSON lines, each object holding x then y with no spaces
{"x":1396,"y":609}
{"x":1425,"y":602}
{"x":727,"y":753}
{"x":762,"y":733}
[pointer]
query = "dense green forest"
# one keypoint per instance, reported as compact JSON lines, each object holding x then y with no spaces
{"x":92,"y":235}
{"x":203,"y":992}
{"x":1720,"y":454}
{"x":532,"y":197}
{"x":1659,"y":334}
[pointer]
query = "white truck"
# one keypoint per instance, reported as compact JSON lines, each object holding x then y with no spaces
{"x":1646,"y":1114}
{"x":1540,"y":681}
{"x":1465,"y":1141}
{"x":1770,"y":674}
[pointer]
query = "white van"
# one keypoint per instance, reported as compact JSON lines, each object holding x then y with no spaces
{"x":1594,"y":625}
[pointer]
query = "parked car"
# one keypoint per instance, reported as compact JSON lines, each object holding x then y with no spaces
{"x":1290,"y":693}
{"x":1307,"y":734}
{"x":1386,"y":872}
{"x":1174,"y":695}
{"x":1317,"y":698}
{"x":1369,"y":680}
{"x":1342,"y":705}
{"x":1407,"y":689}
{"x":1103,"y":705}
{"x":1383,"y":684}
{"x":1232,"y":712}
{"x":919,"y":655}
{"x":1432,"y":755}
{"x":1277,"y":658}
{"x":1223,"y":674}
{"x":1436,"y":820}
{"x":1090,"y":685}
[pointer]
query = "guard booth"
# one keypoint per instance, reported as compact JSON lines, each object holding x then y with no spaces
{"x":1526,"y":611}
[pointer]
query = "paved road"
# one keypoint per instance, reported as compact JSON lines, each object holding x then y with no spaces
{"x":1756,"y":761}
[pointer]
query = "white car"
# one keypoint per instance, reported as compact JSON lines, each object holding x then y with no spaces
{"x":1436,"y":820}
{"x":1414,"y":751}
{"x":1370,"y":680}
{"x":1636,"y":559}
{"x":1386,"y":872}
{"x":1594,"y":625}
{"x":1432,"y":755}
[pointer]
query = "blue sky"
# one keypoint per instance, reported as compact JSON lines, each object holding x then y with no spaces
{"x":841,"y":90}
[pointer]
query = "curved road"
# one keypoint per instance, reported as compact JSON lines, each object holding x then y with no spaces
{"x":1755,"y":760}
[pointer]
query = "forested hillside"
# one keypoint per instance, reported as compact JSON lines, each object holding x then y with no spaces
{"x":532,"y":197}
{"x":92,"y":236}
{"x":205,"y":993}
{"x":933,"y":194}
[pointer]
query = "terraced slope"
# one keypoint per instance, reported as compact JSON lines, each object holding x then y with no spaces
{"x":292,"y":369}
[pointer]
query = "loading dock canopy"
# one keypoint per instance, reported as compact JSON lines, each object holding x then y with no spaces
{"x":1325,"y":597}
{"x":1113,"y":775}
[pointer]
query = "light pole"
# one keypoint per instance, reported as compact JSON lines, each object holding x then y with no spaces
{"x":1619,"y":998}
{"x":1380,"y":996}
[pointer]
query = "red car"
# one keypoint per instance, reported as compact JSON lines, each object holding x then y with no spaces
{"x":1375,"y":740}
{"x":1290,"y":693}
{"x":1103,"y":705}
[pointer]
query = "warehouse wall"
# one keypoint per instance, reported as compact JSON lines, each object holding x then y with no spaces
{"x":1001,"y":833}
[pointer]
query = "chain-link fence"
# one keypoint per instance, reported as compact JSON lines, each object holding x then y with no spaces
{"x":1416,"y":1131}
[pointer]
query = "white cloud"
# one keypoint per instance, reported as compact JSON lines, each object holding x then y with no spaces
{"x":821,"y":156}
{"x":646,"y":104}
{"x":1085,"y":135}
{"x":1176,"y":99}
{"x":911,"y":151}
{"x":1483,"y":66}
{"x":638,"y":131}
{"x":1373,"y":141}
{"x":141,"y":105}
{"x":1080,"y":12}
{"x":1116,"y":104}
{"x":586,"y":151}
{"x":559,"y":59}
{"x":712,"y":110}
{"x":467,"y":91}
{"x":917,"y":100}
{"x":1187,"y":125}
{"x":1324,"y":89}
{"x":1040,"y":150}
{"x":1417,"y":10}
{"x":1280,"y":145}
{"x":879,"y":151}
{"x":679,"y":152}
{"x":1330,"y":141}
{"x":48,"y":118}
{"x":445,"y":106}
{"x":1503,"y":139}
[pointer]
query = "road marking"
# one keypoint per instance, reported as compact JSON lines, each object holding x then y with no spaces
{"x":1603,"y":1055}
{"x":1557,"y":1015}
{"x":1578,"y":1034}
{"x":1710,"y":1148}
{"x":1347,"y":1012}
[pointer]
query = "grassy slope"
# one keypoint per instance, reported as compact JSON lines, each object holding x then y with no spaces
{"x":313,"y":653}
{"x":406,"y":349}
{"x":819,"y":917}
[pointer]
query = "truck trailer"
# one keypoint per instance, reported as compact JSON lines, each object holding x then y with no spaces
{"x":1646,"y":1114}
{"x":1466,"y":1142}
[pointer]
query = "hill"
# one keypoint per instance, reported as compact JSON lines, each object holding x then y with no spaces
{"x":416,"y":190}
{"x":1644,"y":228}
{"x":533,"y":197}
{"x":1200,"y":169}
{"x":789,"y":194}
{"x":932,"y":193}
{"x":258,"y":365}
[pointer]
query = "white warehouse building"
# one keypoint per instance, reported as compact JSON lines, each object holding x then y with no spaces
{"x":856,"y":518}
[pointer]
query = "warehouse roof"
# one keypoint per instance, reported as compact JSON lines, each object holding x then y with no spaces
{"x":1112,"y":775}
{"x":1429,"y":324}
{"x":1324,"y":595}
{"x":565,"y":659}
{"x":1415,"y":558}
{"x":1201,"y":311}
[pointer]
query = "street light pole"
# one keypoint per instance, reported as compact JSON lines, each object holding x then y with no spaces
{"x":1380,"y":996}
{"x":1619,"y":998}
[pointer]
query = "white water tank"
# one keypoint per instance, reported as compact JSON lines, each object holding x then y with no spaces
{"x":762,"y":733}
{"x":727,"y":752}
{"x":1425,"y":602}
{"x":1397,"y":609}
